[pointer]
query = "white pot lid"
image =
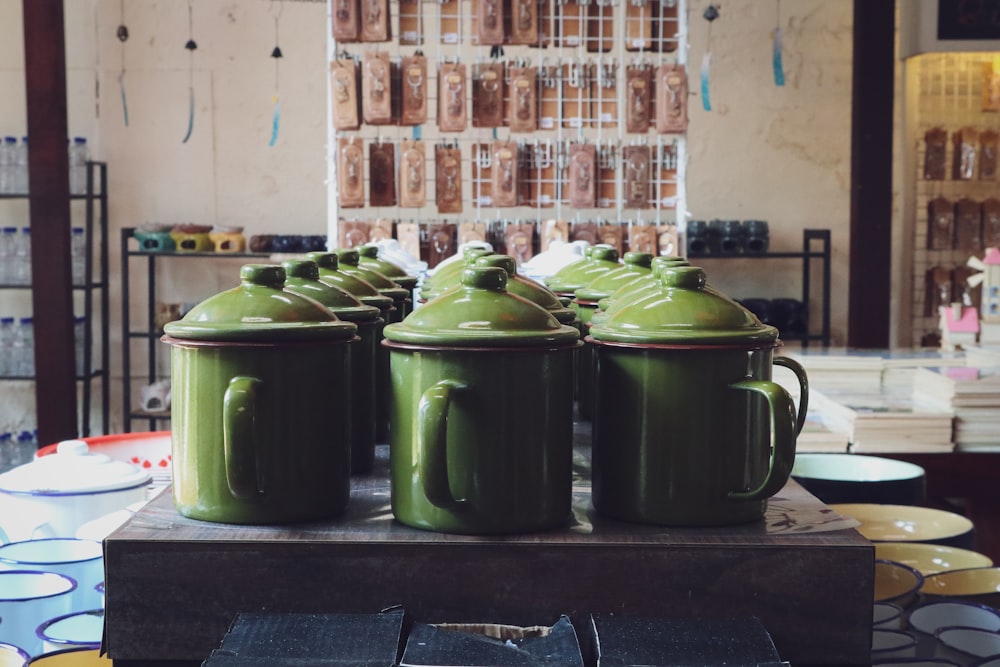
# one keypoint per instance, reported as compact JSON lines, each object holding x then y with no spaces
{"x":72,"y":470}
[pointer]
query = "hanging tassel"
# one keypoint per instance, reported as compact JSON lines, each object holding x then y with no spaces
{"x":779,"y":69}
{"x":275,"y":121}
{"x":121,"y":89}
{"x":706,"y":102}
{"x":190,"y":115}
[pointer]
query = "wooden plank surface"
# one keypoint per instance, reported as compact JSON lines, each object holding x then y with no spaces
{"x":173,"y":584}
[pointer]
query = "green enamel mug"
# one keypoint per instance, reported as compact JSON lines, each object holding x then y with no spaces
{"x":689,"y":428}
{"x":481,"y":412}
{"x":260,"y":415}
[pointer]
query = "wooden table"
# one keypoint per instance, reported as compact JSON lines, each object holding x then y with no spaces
{"x":173,"y":584}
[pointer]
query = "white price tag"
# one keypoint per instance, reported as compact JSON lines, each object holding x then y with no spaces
{"x":546,"y":122}
{"x":410,"y":35}
{"x":544,"y":199}
{"x":575,"y":122}
{"x":605,"y":117}
{"x":668,"y":202}
{"x":450,"y":38}
{"x":572,"y":40}
{"x":485,"y":200}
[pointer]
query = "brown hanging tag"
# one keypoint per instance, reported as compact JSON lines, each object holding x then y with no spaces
{"x":487,"y":94}
{"x":412,"y":174}
{"x":451,"y":97}
{"x":576,"y":93}
{"x":671,"y":99}
{"x":667,"y":239}
{"x":489,"y":15}
{"x":638,"y":98}
{"x":543,"y":166}
{"x":935,"y":154}
{"x":968,"y":225}
{"x":639,"y":19}
{"x":666,"y":27}
{"x":381,"y":174}
{"x":469,"y":232}
{"x":448,"y":179}
{"x":376,"y":88}
{"x":604,"y":92}
{"x":549,"y":94}
{"x":584,"y":231}
{"x":504,"y":173}
{"x":353,"y":233}
{"x":440,"y":242}
{"x":449,"y":21}
{"x":582,"y":175}
{"x":600,"y":26}
{"x":554,"y":231}
{"x":607,"y":175}
{"x":520,"y":239}
{"x":524,"y":22}
{"x":940,"y":224}
{"x":523,"y":109}
{"x":408,"y":235}
{"x":413,"y":76}
{"x":380,"y":230}
{"x":666,"y":163}
{"x":611,"y":234}
{"x":937,"y":291}
{"x":411,"y":25}
{"x":991,"y":223}
{"x":988,"y":155}
{"x":643,"y":238}
{"x":570,"y":23}
{"x":346,"y":21}
{"x":344,"y":91}
{"x":635,"y":160}
{"x":966,"y":141}
{"x":375,"y":21}
{"x":350,"y":171}
{"x":482,"y":190}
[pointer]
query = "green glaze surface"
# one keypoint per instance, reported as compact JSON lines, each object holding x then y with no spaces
{"x":303,"y":278}
{"x":529,"y":289}
{"x":481,"y":313}
{"x":481,"y":440}
{"x":681,"y":310}
{"x":650,"y":280}
{"x":447,"y":276}
{"x":349,"y":262}
{"x":368,"y":258}
{"x":259,"y":309}
{"x":684,"y":436}
{"x":635,"y":267}
{"x":567,"y":280}
{"x":366,"y":293}
{"x":260,"y":431}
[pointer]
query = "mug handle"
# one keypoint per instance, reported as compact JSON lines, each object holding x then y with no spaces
{"x":432,"y":443}
{"x":239,"y":447}
{"x":782,"y":439}
{"x":800,"y":374}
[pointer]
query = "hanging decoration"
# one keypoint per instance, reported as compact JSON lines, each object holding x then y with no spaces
{"x":277,"y":55}
{"x":776,"y":48}
{"x":191,"y":46}
{"x":122,"y":33}
{"x":710,"y":14}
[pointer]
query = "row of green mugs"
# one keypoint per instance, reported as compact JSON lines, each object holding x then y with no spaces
{"x":481,"y":408}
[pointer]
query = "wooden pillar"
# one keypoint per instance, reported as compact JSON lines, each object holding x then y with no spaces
{"x":871,"y":173}
{"x":48,"y":183}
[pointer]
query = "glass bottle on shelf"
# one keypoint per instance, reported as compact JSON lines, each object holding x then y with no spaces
{"x":79,"y":326}
{"x":78,"y":250}
{"x":8,"y":160}
{"x":8,"y":251}
{"x":6,"y":345}
{"x":22,"y":258}
{"x":24,"y":348}
{"x":79,"y":155}
{"x":21,"y":168}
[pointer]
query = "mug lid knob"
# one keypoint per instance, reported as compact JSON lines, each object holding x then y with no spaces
{"x":268,"y":275}
{"x":485,"y":277}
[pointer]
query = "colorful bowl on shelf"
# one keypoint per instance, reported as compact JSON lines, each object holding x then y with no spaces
{"x":930,"y":559}
{"x":980,"y":585}
{"x":150,"y":450}
{"x":908,"y":523}
{"x":855,"y":478}
{"x":896,"y":583}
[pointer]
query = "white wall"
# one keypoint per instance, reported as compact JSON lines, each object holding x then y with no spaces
{"x":780,"y":154}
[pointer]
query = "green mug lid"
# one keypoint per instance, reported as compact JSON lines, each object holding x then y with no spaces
{"x":682,"y":311}
{"x":260,"y":309}
{"x":636,"y":266}
{"x":481,"y":313}
{"x":302,"y":278}
{"x":567,"y":280}
{"x":369,"y":259}
{"x":350,"y":262}
{"x":448,"y":275}
{"x":364,"y":291}
{"x":529,"y":289}
{"x":651,"y":280}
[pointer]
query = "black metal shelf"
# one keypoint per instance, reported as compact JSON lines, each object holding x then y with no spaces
{"x":96,"y":219}
{"x":815,"y":246}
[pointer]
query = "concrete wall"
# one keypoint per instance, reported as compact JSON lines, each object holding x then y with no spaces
{"x":780,"y":154}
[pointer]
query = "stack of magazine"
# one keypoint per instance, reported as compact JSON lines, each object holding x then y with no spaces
{"x":972,"y":393}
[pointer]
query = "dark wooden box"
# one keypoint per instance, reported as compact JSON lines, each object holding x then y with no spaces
{"x":173,"y":585}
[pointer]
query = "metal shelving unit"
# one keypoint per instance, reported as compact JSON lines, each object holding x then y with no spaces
{"x":93,"y":289}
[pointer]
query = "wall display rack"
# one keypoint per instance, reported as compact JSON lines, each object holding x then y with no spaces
{"x":148,"y":332}
{"x":518,"y":123}
{"x":93,"y":288}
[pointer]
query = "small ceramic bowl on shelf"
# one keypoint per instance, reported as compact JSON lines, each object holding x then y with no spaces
{"x":227,"y":239}
{"x":909,"y":523}
{"x":192,"y":238}
{"x":896,"y":583}
{"x":930,"y":559}
{"x":980,"y":585}
{"x":856,"y":478}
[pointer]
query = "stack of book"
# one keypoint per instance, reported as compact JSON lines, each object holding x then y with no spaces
{"x":973,"y":394}
{"x":816,"y":436}
{"x":835,"y":368}
{"x":883,"y":421}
